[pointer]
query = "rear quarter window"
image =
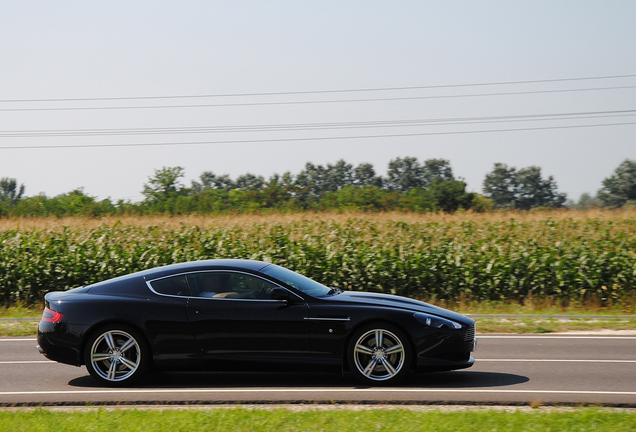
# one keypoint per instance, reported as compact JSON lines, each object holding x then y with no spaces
{"x":174,"y":285}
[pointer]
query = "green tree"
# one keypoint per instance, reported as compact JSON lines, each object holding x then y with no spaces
{"x":523,"y":189}
{"x":620,"y":188}
{"x":534,"y":191}
{"x":481,"y":204}
{"x":364,"y":175}
{"x":501,"y":185}
{"x":10,"y":193}
{"x":249,"y":182}
{"x":586,"y":201}
{"x":316,"y":180}
{"x":418,"y":200}
{"x":407,"y":173}
{"x":74,"y":203}
{"x":404,"y":174}
{"x":164,"y":185}
{"x":310,"y":182}
{"x":275,"y":194}
{"x":338,"y":176}
{"x":436,"y":169}
{"x":211,"y":181}
{"x":360,"y":198}
{"x":450,"y":195}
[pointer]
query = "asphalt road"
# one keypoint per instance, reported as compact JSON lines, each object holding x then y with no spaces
{"x":509,"y":370}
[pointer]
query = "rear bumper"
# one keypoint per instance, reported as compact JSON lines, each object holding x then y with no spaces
{"x":58,"y":346}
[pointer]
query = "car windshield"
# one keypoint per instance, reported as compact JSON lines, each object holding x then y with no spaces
{"x":298,"y":281}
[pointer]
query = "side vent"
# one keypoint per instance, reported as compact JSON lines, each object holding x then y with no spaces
{"x":469,"y":336}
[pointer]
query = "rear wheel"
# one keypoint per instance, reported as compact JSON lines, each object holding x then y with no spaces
{"x":116,"y":355}
{"x":379,"y":354}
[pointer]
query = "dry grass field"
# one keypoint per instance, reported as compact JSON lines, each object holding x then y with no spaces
{"x":244,"y":220}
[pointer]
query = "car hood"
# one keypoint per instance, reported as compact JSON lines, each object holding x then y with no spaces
{"x":397,"y":302}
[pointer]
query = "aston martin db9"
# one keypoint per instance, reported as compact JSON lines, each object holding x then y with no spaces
{"x":246,"y":315}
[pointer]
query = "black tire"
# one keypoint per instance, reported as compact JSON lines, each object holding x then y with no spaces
{"x":117,"y":355}
{"x":379,"y":354}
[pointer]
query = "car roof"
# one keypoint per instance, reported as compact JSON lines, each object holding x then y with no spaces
{"x":244,"y":264}
{"x":171,"y":269}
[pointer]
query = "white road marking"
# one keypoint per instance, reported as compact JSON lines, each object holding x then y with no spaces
{"x":477,"y":360}
{"x":554,"y":360}
{"x":479,"y":336}
{"x":553,"y":337}
{"x":313,"y":390}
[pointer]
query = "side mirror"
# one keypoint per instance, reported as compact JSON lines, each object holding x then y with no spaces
{"x":280,"y":294}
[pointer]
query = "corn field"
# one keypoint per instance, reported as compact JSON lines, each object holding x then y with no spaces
{"x":569,"y":259}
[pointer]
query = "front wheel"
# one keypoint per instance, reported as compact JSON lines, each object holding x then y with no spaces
{"x":379,"y":354}
{"x":116,"y":355}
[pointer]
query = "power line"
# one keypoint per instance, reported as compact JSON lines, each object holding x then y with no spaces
{"x":309,"y":138}
{"x":319,"y":126}
{"x":314,"y":102}
{"x":322,"y":91}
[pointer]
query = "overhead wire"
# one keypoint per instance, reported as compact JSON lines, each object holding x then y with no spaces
{"x":371,"y":89}
{"x":319,"y":126}
{"x":254,"y":141}
{"x":484,"y":120}
{"x":401,"y":98}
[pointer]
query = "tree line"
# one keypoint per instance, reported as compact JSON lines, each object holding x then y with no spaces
{"x":409,"y":185}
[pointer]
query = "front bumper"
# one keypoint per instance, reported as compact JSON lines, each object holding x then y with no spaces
{"x":444,"y":351}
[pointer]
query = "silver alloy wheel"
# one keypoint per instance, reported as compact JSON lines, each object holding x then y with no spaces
{"x":379,"y":355}
{"x":115,"y":356}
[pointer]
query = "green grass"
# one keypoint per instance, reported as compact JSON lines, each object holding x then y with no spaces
{"x":550,"y":325}
{"x":14,"y":324}
{"x":549,"y":306}
{"x":240,"y":419}
{"x":20,"y":311}
{"x":18,"y":328}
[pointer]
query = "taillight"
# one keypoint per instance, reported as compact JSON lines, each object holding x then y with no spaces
{"x":52,"y":316}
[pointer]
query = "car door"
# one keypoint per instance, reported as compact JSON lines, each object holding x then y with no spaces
{"x":167,"y":324}
{"x":233,"y":317}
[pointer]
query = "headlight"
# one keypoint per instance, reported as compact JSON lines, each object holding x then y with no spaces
{"x":435,"y":321}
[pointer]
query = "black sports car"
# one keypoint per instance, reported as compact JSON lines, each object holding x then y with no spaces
{"x":246,"y":315}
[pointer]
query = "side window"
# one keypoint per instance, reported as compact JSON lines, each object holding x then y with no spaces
{"x":209,"y":284}
{"x":229,"y":285}
{"x":175,"y":285}
{"x":251,"y":287}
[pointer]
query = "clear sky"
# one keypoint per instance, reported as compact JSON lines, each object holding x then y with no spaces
{"x":139,"y":49}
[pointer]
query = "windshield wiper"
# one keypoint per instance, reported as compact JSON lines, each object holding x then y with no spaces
{"x":333,"y":291}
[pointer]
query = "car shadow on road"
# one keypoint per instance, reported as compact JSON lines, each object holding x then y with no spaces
{"x":221,"y":380}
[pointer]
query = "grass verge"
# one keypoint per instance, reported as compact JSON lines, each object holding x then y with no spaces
{"x":20,"y":311}
{"x":551,"y":325}
{"x":240,"y":419}
{"x":18,"y":328}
